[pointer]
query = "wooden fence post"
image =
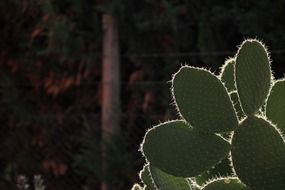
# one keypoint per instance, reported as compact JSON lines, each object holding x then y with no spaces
{"x":110,"y":85}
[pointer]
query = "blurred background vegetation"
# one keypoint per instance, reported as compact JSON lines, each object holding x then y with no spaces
{"x":51,"y":78}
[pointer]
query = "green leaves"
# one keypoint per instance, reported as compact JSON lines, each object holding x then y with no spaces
{"x":258,"y":154}
{"x":176,"y":148}
{"x":275,"y":106}
{"x":203,"y":101}
{"x":252,"y":75}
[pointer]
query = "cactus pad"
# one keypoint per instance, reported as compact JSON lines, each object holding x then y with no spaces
{"x":184,"y":154}
{"x":252,"y":75}
{"x":236,"y":103}
{"x":203,"y":101}
{"x":166,"y":181}
{"x":177,"y":149}
{"x":275,"y":106}
{"x":146,"y":178}
{"x":223,"y":168}
{"x":258,"y":154}
{"x":136,"y":187}
{"x":227,"y":75}
{"x":230,"y":183}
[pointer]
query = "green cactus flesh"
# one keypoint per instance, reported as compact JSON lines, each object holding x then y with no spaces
{"x":227,"y":75}
{"x":275,"y":106}
{"x":203,"y":101}
{"x":147,"y":188}
{"x":229,"y":183}
{"x":166,"y":181}
{"x":258,"y":155}
{"x":221,"y":169}
{"x":146,"y":178}
{"x":193,"y":184}
{"x":252,"y":75}
{"x":236,"y":103}
{"x":177,"y":149}
{"x":136,"y":187}
{"x":184,"y":154}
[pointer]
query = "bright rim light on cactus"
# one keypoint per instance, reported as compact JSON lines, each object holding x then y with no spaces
{"x":180,"y":150}
{"x":252,"y":75}
{"x":227,"y":75}
{"x":258,"y":154}
{"x":230,"y":183}
{"x":275,"y":106}
{"x":203,"y":101}
{"x":211,"y":107}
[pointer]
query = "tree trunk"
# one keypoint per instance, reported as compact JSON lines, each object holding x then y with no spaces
{"x":111,"y":86}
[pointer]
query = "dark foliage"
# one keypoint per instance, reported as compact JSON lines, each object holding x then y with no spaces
{"x":50,"y":73}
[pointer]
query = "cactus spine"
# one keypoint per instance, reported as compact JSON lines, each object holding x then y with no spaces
{"x":242,"y":102}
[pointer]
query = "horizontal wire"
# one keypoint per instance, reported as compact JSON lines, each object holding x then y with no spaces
{"x":194,"y":54}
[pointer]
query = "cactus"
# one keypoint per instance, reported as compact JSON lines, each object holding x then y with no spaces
{"x":258,"y":154}
{"x":276,"y":102}
{"x":180,"y":150}
{"x":136,"y":187}
{"x":236,"y":103}
{"x":237,"y":116}
{"x":231,"y":183}
{"x":194,"y":90}
{"x":146,"y":178}
{"x":227,"y":75}
{"x":252,"y":75}
{"x":165,"y":181}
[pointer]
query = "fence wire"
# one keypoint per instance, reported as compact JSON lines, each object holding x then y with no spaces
{"x":66,"y":149}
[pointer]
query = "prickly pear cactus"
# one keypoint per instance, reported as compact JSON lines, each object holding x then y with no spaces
{"x":194,"y":97}
{"x":182,"y":149}
{"x":252,"y":76}
{"x":237,"y":116}
{"x":258,"y":149}
{"x":227,"y":74}
{"x":275,"y":105}
{"x":229,"y":183}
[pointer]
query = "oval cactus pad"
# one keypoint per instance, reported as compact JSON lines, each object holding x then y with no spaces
{"x":166,"y":181}
{"x":203,"y":101}
{"x":227,"y":74}
{"x":230,"y":183}
{"x":252,"y":75}
{"x":177,"y":149}
{"x":275,"y":106}
{"x":258,"y":154}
